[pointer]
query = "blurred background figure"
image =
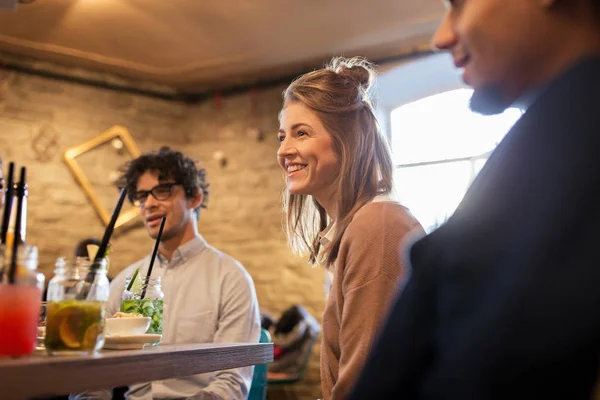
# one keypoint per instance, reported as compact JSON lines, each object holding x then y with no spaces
{"x":81,"y":249}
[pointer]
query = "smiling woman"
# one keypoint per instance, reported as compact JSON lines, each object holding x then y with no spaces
{"x":307,"y":154}
{"x":338,"y":172}
{"x":333,"y":152}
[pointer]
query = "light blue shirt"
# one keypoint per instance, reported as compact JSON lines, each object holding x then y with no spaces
{"x":208,"y":298}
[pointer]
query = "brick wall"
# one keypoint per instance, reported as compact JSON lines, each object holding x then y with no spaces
{"x":244,"y":213}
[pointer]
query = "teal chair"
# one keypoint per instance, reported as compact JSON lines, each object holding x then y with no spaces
{"x":258,"y":389}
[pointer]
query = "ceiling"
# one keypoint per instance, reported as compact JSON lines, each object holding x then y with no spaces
{"x":202,"y":45}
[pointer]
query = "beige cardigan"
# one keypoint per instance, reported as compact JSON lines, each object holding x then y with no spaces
{"x":366,"y":274}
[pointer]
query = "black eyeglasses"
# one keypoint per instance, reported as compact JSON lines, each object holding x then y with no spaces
{"x":159,"y":192}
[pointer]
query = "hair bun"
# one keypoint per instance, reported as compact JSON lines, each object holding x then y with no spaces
{"x":357,"y":69}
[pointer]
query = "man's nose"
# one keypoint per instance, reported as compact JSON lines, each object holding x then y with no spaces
{"x":150,"y":202}
{"x":445,"y":37}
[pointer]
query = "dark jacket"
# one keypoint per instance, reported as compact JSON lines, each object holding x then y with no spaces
{"x":503,"y":301}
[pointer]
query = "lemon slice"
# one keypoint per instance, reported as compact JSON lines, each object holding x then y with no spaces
{"x":70,"y":320}
{"x":135,"y":283}
{"x":91,"y":335}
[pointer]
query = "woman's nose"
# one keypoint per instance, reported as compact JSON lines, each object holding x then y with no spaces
{"x":285,"y":149}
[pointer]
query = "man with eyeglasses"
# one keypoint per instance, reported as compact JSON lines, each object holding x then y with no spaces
{"x":208,"y":296}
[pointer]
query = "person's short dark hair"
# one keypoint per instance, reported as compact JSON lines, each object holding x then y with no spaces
{"x":169,"y":164}
{"x":81,"y":248}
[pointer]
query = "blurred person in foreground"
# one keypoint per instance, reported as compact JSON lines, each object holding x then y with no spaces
{"x":503,"y":301}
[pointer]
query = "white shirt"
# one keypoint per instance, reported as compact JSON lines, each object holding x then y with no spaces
{"x":209,"y":298}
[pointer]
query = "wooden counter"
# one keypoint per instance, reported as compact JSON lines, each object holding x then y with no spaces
{"x":42,"y":375}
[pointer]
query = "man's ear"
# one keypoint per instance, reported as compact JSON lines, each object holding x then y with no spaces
{"x":196,"y":199}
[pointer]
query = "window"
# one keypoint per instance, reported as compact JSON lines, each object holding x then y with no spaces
{"x":439,"y":146}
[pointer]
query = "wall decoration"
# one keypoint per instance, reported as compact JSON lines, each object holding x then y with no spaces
{"x":117,"y":143}
{"x":45,"y":143}
{"x":95,"y":165}
{"x":220,"y":157}
{"x":255,"y":133}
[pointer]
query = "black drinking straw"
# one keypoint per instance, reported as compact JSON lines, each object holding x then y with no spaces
{"x":154,"y":252}
{"x":8,"y":201}
{"x":89,"y":279}
{"x":20,"y":195}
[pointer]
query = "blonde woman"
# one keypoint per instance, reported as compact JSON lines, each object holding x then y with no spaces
{"x":339,"y":172}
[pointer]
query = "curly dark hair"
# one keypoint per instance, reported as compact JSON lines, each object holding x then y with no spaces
{"x":168,"y":163}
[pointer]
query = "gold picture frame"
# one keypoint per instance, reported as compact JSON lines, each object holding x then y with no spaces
{"x":116,"y":132}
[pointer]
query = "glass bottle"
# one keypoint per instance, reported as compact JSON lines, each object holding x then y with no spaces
{"x":8,"y":199}
{"x":11,"y":235}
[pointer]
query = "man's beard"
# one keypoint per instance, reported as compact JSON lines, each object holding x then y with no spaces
{"x":488,"y":100}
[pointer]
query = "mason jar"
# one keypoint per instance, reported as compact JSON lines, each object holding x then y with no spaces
{"x":144,"y":298}
{"x":20,"y":301}
{"x":59,"y":267}
{"x":77,"y":298}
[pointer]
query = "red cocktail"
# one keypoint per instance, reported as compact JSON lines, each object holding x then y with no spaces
{"x":19,"y":315}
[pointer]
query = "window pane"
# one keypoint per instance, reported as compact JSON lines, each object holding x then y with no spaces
{"x":443,"y":127}
{"x":434,"y":129}
{"x":433,"y":192}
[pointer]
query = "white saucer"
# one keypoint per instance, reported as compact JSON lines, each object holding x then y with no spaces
{"x":129,"y":342}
